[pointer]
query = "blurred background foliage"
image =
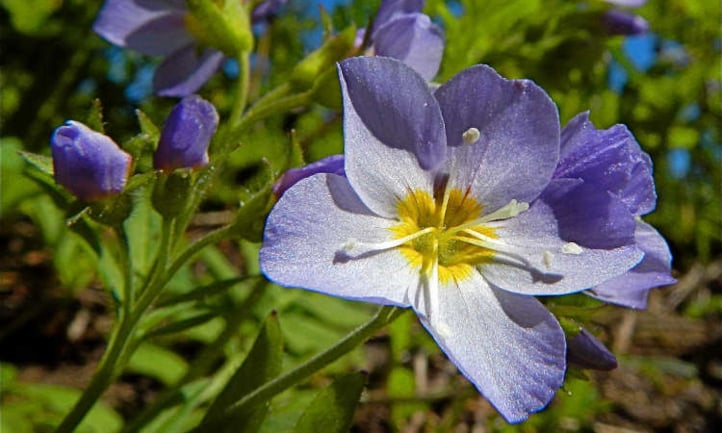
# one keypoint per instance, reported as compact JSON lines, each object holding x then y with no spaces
{"x":55,"y":312}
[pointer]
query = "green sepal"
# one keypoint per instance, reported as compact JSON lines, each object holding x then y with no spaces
{"x":326,"y":22}
{"x":254,"y":205}
{"x":333,"y":407}
{"x":570,"y":326}
{"x":171,"y":192}
{"x":142,"y":145}
{"x":295,"y":152}
{"x":42,"y":163}
{"x":147,"y":127}
{"x":227,"y":29}
{"x":262,"y":364}
{"x":140,"y":180}
{"x":111,"y":211}
{"x":327,"y":90}
{"x":310,"y":69}
{"x":40,"y":169}
{"x":94,"y":119}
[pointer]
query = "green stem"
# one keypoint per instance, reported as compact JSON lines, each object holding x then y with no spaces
{"x":193,"y":249}
{"x":244,"y":80}
{"x":383,"y":317}
{"x":103,"y":377}
{"x":261,"y":111}
{"x":117,"y":353}
{"x":127,"y":270}
{"x":201,"y":364}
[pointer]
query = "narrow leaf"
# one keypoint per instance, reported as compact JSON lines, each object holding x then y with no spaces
{"x":262,"y":364}
{"x":43,"y":163}
{"x":333,"y":407}
{"x":147,"y":126}
{"x":94,"y":119}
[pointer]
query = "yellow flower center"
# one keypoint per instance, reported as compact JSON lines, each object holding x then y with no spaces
{"x":444,"y":230}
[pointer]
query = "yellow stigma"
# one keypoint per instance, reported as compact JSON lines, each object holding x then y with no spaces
{"x":447,"y":222}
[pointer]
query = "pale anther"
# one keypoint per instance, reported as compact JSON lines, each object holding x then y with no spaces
{"x":471,"y":136}
{"x":511,"y":210}
{"x":572,"y":248}
{"x":547,"y":259}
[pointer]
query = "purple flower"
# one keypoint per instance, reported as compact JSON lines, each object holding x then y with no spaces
{"x":160,"y":28}
{"x":440,"y":211}
{"x":624,"y":23}
{"x":608,"y":166}
{"x":330,"y":164}
{"x":186,"y":134}
{"x":585,"y":351}
{"x":401,"y":31}
{"x":87,"y":163}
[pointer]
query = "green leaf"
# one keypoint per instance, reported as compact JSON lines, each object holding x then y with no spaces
{"x":39,"y":168}
{"x":157,"y":362}
{"x":249,"y":221}
{"x":262,"y":364}
{"x":143,"y":231}
{"x":335,"y":48}
{"x":11,"y":167}
{"x":183,"y":324}
{"x":43,"y":163}
{"x":31,"y":16}
{"x":226,"y":28}
{"x":333,"y":407}
{"x":42,"y":407}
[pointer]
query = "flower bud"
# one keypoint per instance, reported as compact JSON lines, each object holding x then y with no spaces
{"x":585,"y":351}
{"x":186,"y":135}
{"x":624,"y":23}
{"x":87,"y":163}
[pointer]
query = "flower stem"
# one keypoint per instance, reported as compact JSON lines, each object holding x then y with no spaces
{"x":102,"y":378}
{"x":261,"y":111}
{"x":244,"y":80}
{"x":116,"y":355}
{"x":383,"y":317}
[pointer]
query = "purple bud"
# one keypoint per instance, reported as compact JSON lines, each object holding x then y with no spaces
{"x":585,"y":351}
{"x":331,"y":164}
{"x":623,"y":23}
{"x":87,"y":163}
{"x":186,"y":135}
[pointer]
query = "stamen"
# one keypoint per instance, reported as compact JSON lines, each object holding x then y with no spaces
{"x":547,"y":259}
{"x":503,"y":249}
{"x":572,"y":248}
{"x":358,"y":247}
{"x":434,"y":281}
{"x":471,"y":136}
{"x":511,"y":210}
{"x":493,"y":245}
